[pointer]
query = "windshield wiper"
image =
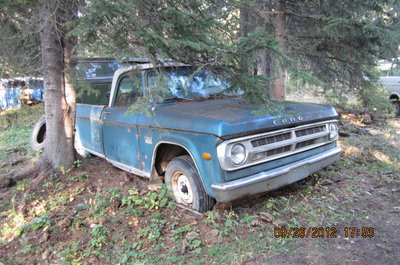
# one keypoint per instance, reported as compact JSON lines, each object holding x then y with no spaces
{"x":217,"y":95}
{"x":175,"y":99}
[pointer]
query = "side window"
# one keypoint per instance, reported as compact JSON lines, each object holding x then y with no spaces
{"x":128,"y":91}
{"x":151,"y":79}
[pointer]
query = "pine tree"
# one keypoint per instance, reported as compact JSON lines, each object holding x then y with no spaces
{"x":335,"y":44}
{"x":37,"y":33}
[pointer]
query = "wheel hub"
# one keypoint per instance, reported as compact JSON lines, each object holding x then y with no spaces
{"x":182,"y":188}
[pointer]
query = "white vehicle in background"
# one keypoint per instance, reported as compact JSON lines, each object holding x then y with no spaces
{"x":390,"y":80}
{"x":392,"y":85}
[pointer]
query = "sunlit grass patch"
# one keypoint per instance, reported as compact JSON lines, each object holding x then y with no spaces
{"x":15,"y":129}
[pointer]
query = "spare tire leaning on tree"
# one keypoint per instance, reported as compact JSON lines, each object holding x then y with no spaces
{"x":38,"y":136}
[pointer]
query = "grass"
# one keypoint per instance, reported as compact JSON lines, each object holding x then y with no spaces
{"x":94,"y":215}
{"x":15,"y":128}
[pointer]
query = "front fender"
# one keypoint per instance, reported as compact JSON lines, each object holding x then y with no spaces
{"x":194,"y":143}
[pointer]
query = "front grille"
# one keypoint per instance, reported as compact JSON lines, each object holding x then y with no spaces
{"x":305,"y":143}
{"x":289,"y":141}
{"x":271,"y":139}
{"x":309,"y":131}
{"x":272,"y":152}
{"x":269,"y":146}
{"x":311,"y":142}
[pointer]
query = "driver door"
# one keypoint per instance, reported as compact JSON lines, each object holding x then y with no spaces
{"x":120,"y":132}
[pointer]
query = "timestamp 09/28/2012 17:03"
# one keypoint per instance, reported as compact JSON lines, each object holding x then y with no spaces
{"x":323,"y":232}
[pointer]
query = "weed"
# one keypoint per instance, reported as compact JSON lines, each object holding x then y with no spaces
{"x":39,"y":222}
{"x":152,"y":200}
{"x":99,"y":235}
{"x":5,"y":204}
{"x":153,"y":230}
{"x":78,"y":163}
{"x":13,"y":226}
{"x":80,"y":177}
{"x":54,"y":177}
{"x":28,"y":249}
{"x":23,"y":184}
{"x":115,"y":194}
{"x":54,"y":201}
{"x":32,"y":196}
{"x":194,"y":244}
{"x":79,"y":190}
{"x":247,"y":219}
{"x":71,"y":255}
{"x":127,"y":252}
{"x":181,"y":231}
{"x":213,"y":218}
{"x":60,"y":186}
{"x":98,"y":206}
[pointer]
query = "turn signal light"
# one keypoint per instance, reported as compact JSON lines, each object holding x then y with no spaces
{"x":206,"y":156}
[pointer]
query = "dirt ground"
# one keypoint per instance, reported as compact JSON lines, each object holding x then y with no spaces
{"x":98,"y":214}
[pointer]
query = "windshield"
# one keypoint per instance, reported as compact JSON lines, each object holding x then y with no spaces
{"x":187,"y":83}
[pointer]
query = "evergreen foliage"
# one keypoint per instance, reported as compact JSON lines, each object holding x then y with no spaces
{"x":200,"y":33}
{"x":334,"y":44}
{"x":331,"y":43}
{"x":340,"y":42}
{"x":19,"y":38}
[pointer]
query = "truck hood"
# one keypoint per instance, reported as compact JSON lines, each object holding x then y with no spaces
{"x":231,"y":117}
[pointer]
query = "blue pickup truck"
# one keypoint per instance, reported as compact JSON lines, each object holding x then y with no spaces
{"x":202,"y":140}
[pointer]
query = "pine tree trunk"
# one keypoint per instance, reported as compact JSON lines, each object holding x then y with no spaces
{"x":278,"y":88}
{"x":244,"y":29}
{"x":264,"y":62}
{"x":59,"y":97}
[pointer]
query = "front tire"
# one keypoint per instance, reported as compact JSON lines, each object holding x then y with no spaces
{"x":182,"y":178}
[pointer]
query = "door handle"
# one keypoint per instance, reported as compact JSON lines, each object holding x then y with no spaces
{"x":105,"y":114}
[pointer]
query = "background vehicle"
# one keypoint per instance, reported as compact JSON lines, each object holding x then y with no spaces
{"x":392,"y":84}
{"x":25,"y":90}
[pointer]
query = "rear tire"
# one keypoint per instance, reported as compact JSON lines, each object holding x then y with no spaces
{"x":38,"y":135}
{"x":182,"y":178}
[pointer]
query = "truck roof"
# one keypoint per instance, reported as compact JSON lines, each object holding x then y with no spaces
{"x":146,"y":66}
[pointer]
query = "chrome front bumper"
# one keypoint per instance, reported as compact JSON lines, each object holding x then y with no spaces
{"x":275,"y":178}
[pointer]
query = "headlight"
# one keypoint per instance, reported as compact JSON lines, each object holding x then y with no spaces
{"x":238,"y":154}
{"x":333,"y":129}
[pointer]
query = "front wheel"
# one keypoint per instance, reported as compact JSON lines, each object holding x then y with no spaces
{"x":182,"y":178}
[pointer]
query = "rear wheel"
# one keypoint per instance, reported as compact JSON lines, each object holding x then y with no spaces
{"x":182,"y":178}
